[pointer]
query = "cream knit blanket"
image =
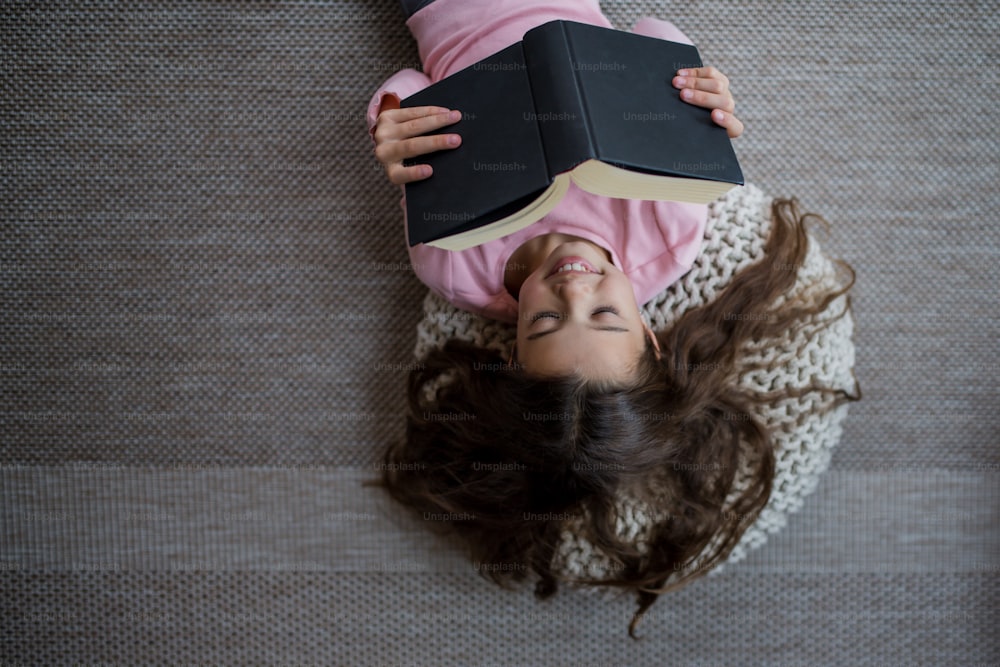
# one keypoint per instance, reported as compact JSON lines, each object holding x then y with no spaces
{"x":820,"y":352}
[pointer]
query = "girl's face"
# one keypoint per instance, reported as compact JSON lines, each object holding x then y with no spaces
{"x":579,"y":320}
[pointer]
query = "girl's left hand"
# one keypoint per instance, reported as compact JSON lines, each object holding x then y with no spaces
{"x":707,"y":87}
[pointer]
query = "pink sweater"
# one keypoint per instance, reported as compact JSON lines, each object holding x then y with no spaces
{"x":653,"y":243}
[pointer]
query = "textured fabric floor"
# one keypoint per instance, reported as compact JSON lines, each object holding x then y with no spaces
{"x":208,"y":316}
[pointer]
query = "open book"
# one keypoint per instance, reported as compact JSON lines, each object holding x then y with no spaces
{"x":570,"y":101}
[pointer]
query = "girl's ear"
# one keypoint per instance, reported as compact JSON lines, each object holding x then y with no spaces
{"x":652,"y":337}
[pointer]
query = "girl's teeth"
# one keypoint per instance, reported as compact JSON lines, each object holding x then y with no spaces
{"x":575,"y":266}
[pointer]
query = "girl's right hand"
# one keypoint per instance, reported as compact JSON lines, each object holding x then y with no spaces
{"x":398,"y":136}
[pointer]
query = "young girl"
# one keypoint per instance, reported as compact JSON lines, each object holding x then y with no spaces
{"x":590,"y":403}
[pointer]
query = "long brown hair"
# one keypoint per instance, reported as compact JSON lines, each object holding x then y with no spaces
{"x":504,"y":459}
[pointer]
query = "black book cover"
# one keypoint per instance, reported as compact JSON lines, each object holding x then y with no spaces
{"x":569,"y":92}
{"x":500,"y":166}
{"x":632,"y":114}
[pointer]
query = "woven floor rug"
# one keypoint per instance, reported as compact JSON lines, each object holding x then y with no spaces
{"x":208,"y":317}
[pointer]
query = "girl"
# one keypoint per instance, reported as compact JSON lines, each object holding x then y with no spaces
{"x":589,"y":405}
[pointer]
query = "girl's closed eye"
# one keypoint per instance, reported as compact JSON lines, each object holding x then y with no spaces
{"x":548,"y":313}
{"x":557,"y":316}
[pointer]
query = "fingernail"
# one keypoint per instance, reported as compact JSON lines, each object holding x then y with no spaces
{"x":453,"y":139}
{"x":680,"y":81}
{"x":454,"y":115}
{"x":682,"y":72}
{"x":425,"y":171}
{"x":687,"y":94}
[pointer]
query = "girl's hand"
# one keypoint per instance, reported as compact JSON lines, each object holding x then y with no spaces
{"x":708,"y":88}
{"x":398,"y":136}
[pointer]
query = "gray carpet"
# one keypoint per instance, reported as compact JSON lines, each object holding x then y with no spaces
{"x":207,"y":319}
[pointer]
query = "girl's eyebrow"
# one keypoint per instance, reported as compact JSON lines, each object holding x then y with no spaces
{"x":538,"y":335}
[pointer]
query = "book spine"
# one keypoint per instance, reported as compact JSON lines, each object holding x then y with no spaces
{"x":560,"y":110}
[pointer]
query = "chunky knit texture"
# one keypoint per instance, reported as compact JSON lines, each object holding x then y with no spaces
{"x":819,"y":352}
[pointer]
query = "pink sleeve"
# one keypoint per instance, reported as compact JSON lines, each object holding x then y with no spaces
{"x":659,"y":28}
{"x":433,"y":266}
{"x":402,"y":84}
{"x":458,"y":277}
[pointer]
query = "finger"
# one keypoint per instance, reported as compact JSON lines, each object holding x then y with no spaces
{"x":420,"y":119}
{"x":708,"y":100}
{"x":401,"y":115}
{"x":421,"y":145}
{"x":707,"y":85}
{"x":392,"y":153}
{"x":425,"y":124}
{"x":704,"y":73}
{"x":733,"y":125}
{"x":400,"y":175}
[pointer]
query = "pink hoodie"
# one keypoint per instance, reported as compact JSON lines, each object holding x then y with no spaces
{"x":653,"y":243}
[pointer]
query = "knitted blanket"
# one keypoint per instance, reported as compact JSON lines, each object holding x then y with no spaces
{"x":819,"y":352}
